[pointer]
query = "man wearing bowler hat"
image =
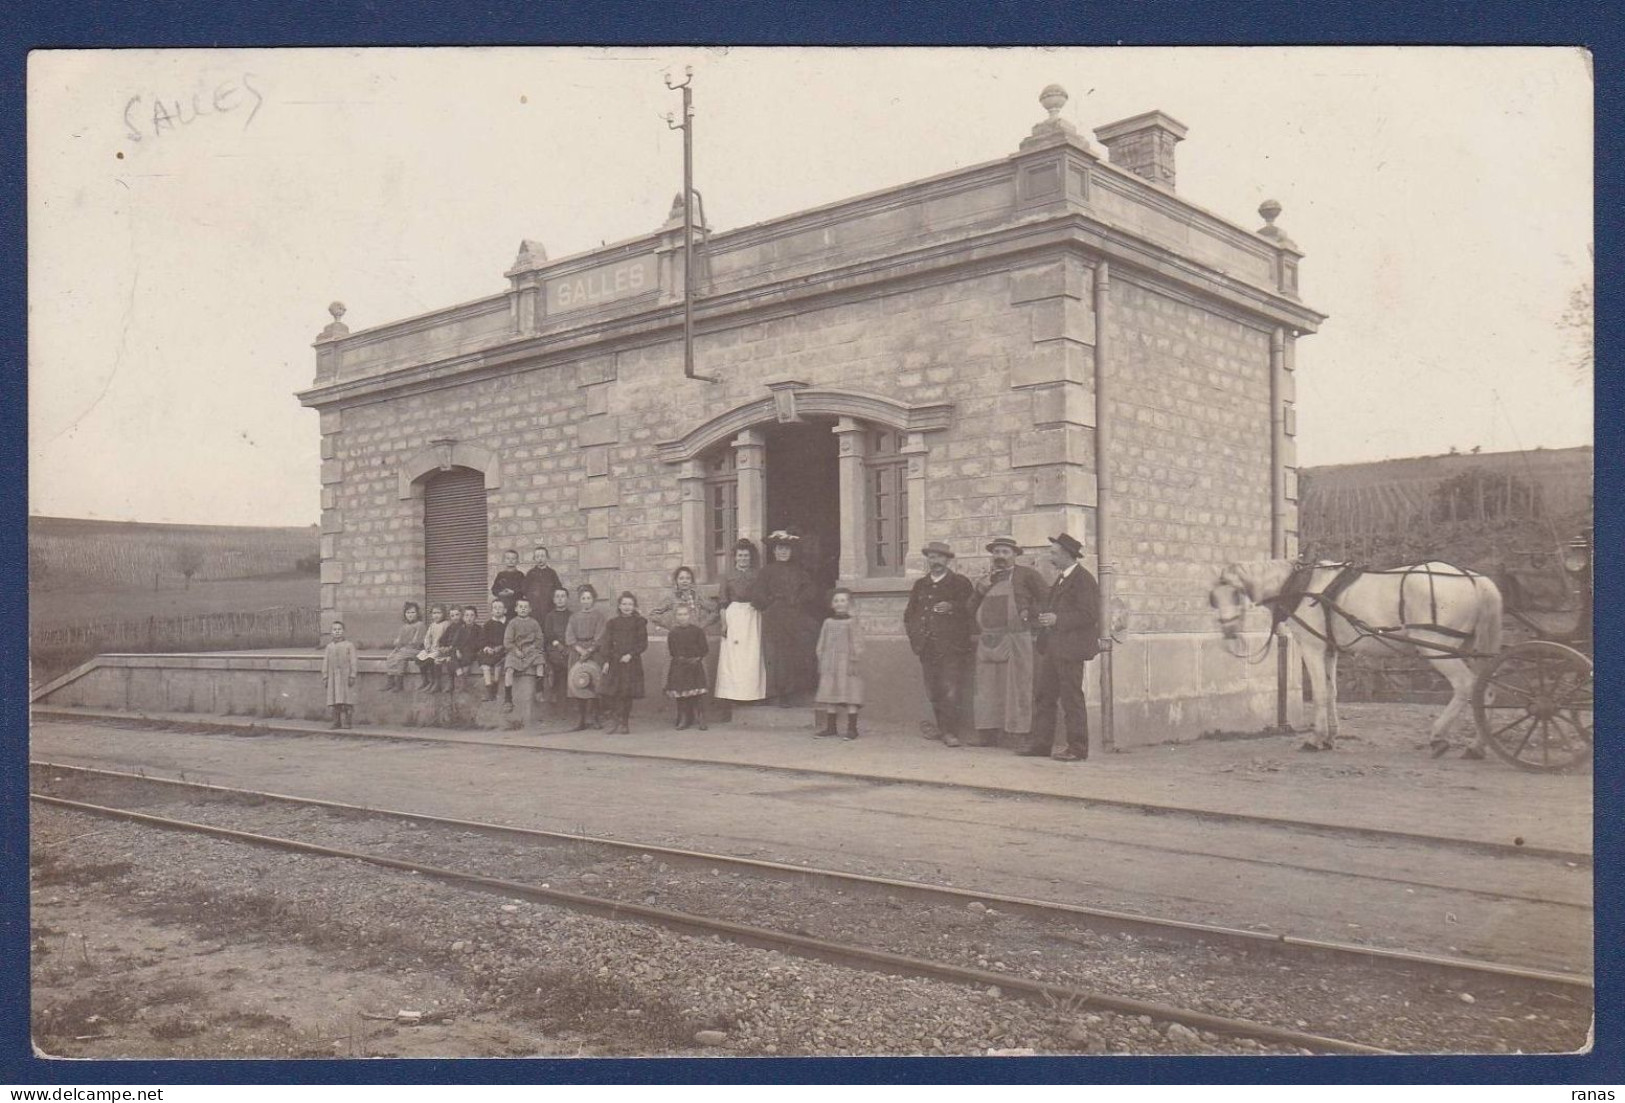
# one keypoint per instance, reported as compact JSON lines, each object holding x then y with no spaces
{"x":1068,"y":637}
{"x":940,"y":630}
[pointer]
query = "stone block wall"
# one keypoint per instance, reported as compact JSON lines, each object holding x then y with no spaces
{"x":580,"y":470}
{"x":1191,"y":395}
{"x":1009,"y":347}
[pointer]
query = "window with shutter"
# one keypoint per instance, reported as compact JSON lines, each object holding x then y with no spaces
{"x":455,"y":556}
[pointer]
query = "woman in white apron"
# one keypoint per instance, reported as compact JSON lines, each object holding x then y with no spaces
{"x":741,"y":673}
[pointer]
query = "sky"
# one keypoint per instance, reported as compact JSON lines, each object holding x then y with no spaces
{"x":181,"y":257}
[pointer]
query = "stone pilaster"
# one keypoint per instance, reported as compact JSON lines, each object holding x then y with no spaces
{"x":917,"y":451}
{"x":1057,"y":449}
{"x":332,"y":570}
{"x":849,"y":462}
{"x":750,"y":463}
{"x":600,"y":491}
{"x":691,"y":512}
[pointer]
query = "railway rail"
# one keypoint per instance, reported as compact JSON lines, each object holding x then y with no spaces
{"x":1516,"y":848}
{"x":1567,"y":988}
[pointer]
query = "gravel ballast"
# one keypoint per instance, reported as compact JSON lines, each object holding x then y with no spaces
{"x":678,"y":997}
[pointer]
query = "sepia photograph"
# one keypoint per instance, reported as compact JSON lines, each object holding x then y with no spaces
{"x":810,"y":552}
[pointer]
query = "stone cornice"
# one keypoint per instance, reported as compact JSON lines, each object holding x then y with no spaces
{"x":814,"y":401}
{"x":1127,"y":184}
{"x":830,"y":214}
{"x":960,"y":258}
{"x":418,"y":323}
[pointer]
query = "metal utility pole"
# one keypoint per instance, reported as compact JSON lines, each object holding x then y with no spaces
{"x":687,"y":127}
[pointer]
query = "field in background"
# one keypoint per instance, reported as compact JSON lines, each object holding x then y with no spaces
{"x":67,"y":552}
{"x":1505,"y":514}
{"x":99,"y":586}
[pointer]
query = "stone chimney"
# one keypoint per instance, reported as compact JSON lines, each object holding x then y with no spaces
{"x":1144,"y":145}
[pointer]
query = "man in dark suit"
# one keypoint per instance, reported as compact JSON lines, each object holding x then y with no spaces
{"x":942,"y":633}
{"x":1068,"y":637}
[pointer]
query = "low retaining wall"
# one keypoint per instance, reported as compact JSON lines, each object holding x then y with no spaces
{"x":1167,"y":687}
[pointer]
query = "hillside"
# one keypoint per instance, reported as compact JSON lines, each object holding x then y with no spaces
{"x":76,"y":553}
{"x":1488,"y":511}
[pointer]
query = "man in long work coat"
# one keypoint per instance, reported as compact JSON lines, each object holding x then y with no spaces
{"x":1068,"y":637}
{"x":941,"y":632}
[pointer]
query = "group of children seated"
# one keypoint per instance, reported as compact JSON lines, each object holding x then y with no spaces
{"x":582,"y":654}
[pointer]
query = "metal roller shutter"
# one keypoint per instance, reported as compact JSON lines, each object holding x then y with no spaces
{"x":454,"y":539}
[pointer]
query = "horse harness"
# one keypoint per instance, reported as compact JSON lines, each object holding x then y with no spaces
{"x":1284,"y":606}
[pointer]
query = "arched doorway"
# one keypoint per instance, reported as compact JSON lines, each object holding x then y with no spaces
{"x":804,"y":492}
{"x":455,"y":534}
{"x":846,"y":466}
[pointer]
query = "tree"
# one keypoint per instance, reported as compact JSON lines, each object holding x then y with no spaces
{"x":188,"y":561}
{"x":1579,"y":321}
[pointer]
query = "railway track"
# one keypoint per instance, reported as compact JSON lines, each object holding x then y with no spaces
{"x":1441,"y":973}
{"x":1516,"y":848}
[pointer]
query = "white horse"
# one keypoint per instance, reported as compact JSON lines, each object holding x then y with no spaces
{"x":1449,"y":616}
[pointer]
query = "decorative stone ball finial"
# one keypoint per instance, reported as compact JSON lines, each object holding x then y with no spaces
{"x":1054,"y":130}
{"x":336,"y":328}
{"x":1269,"y":211}
{"x":1053,"y":98}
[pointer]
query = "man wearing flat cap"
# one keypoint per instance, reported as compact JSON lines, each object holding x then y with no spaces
{"x":1068,"y":637}
{"x":940,"y":630}
{"x":1006,"y":607}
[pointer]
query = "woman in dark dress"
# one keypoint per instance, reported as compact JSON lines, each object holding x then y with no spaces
{"x":626,"y":638}
{"x":785,"y":594}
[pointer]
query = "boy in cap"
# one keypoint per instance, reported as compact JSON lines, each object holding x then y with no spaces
{"x":940,"y":630}
{"x":1068,"y":637}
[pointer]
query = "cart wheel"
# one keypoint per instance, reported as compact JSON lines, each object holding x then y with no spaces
{"x":1533,"y":705}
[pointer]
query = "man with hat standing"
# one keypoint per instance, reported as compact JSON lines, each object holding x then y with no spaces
{"x":940,"y":630}
{"x":1006,"y":606}
{"x":1068,"y":637}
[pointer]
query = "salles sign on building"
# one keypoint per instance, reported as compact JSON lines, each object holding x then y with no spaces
{"x":604,"y":284}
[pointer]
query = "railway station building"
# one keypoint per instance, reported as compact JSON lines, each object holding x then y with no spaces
{"x":912,"y":365}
